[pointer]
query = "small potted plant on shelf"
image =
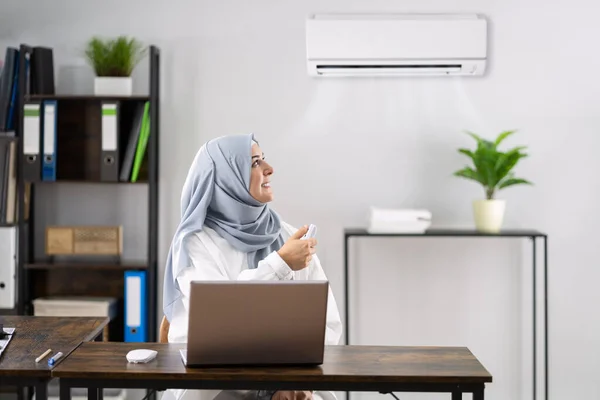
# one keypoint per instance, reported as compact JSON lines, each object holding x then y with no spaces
{"x":113,"y":61}
{"x":492,"y":169}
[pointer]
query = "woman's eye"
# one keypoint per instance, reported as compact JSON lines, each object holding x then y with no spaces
{"x":255,"y":163}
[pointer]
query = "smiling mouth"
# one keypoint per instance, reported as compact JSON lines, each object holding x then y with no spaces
{"x":266,"y":185}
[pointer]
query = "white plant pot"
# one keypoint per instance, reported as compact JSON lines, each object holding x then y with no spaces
{"x":113,"y":86}
{"x":489,"y":215}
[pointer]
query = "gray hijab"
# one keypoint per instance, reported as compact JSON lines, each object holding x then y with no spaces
{"x":216,"y":194}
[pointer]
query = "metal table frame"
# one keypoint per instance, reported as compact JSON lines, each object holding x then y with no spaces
{"x":139,"y":382}
{"x":533,"y":235}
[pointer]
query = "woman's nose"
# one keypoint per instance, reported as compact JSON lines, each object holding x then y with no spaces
{"x":268,"y":170}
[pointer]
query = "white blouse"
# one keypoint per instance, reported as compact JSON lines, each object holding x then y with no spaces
{"x":213,"y":258}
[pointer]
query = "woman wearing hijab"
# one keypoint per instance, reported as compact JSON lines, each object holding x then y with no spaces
{"x":228,"y":232}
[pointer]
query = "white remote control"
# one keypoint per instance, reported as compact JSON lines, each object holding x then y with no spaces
{"x":311,"y":233}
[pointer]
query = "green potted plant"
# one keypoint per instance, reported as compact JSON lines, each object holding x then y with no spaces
{"x":492,"y":169}
{"x":113,"y":61}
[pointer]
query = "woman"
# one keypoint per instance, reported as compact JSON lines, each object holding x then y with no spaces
{"x":228,"y":231}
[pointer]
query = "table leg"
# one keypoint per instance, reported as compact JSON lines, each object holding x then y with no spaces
{"x":456,"y":395}
{"x":546,"y":317}
{"x":478,"y":394}
{"x":64,"y":391}
{"x":94,"y":393}
{"x":534,"y":250}
{"x":346,"y":297}
{"x":346,"y":290}
{"x":41,"y":391}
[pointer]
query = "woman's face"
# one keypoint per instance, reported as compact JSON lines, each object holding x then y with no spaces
{"x":260,"y":176}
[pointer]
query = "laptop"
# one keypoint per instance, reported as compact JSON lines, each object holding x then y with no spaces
{"x":256,"y":323}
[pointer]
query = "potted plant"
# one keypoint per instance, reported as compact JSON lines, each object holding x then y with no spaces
{"x":113,"y":61}
{"x":492,"y":169}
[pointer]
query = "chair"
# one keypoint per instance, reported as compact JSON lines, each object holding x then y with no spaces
{"x":163,"y":335}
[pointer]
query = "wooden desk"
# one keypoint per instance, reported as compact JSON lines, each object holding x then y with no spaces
{"x":453,"y":370}
{"x":32,"y":337}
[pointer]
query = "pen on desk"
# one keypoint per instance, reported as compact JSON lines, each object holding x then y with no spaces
{"x":54,"y":358}
{"x":40,"y":358}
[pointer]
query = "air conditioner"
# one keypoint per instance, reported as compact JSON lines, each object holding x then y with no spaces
{"x":396,"y":45}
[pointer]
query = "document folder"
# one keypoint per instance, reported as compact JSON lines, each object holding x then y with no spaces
{"x":127,"y":163}
{"x":7,"y":79}
{"x":6,"y":339}
{"x":31,"y":142}
{"x":109,"y":168}
{"x":10,"y":121}
{"x":49,"y":140}
{"x":135,"y":306}
{"x":142,"y":143}
{"x":8,"y":251}
{"x":42,"y":70}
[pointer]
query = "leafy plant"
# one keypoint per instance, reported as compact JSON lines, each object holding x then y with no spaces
{"x":114,"y":57}
{"x":492,"y":168}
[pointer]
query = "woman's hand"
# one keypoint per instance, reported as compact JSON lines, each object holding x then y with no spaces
{"x":292,"y":395}
{"x":297,"y":253}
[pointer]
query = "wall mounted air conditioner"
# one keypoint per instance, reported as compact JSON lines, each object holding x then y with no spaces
{"x":396,"y":44}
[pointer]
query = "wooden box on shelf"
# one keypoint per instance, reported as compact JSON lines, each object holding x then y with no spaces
{"x":84,"y":240}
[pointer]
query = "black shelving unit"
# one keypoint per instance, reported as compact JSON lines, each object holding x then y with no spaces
{"x":533,"y":235}
{"x":27,"y":265}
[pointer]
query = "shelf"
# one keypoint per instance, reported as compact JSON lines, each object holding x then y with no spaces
{"x":84,"y":97}
{"x":80,"y":161}
{"x":91,"y":265}
{"x":448,"y":232}
{"x":90,"y":181}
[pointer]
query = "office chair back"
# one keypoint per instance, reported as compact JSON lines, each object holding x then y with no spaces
{"x":163,"y":336}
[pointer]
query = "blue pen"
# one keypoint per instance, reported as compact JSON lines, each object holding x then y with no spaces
{"x":54,"y":358}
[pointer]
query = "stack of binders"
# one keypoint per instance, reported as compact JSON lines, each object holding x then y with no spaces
{"x":120,"y":158}
{"x":39,"y":76}
{"x":136,"y":145}
{"x":125,"y":168}
{"x":39,"y":140}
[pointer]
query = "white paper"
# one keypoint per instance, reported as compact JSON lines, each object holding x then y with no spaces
{"x":6,"y":340}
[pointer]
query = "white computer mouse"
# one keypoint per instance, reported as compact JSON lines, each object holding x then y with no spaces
{"x":141,"y":356}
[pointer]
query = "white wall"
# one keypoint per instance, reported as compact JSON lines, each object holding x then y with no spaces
{"x":339,"y":146}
